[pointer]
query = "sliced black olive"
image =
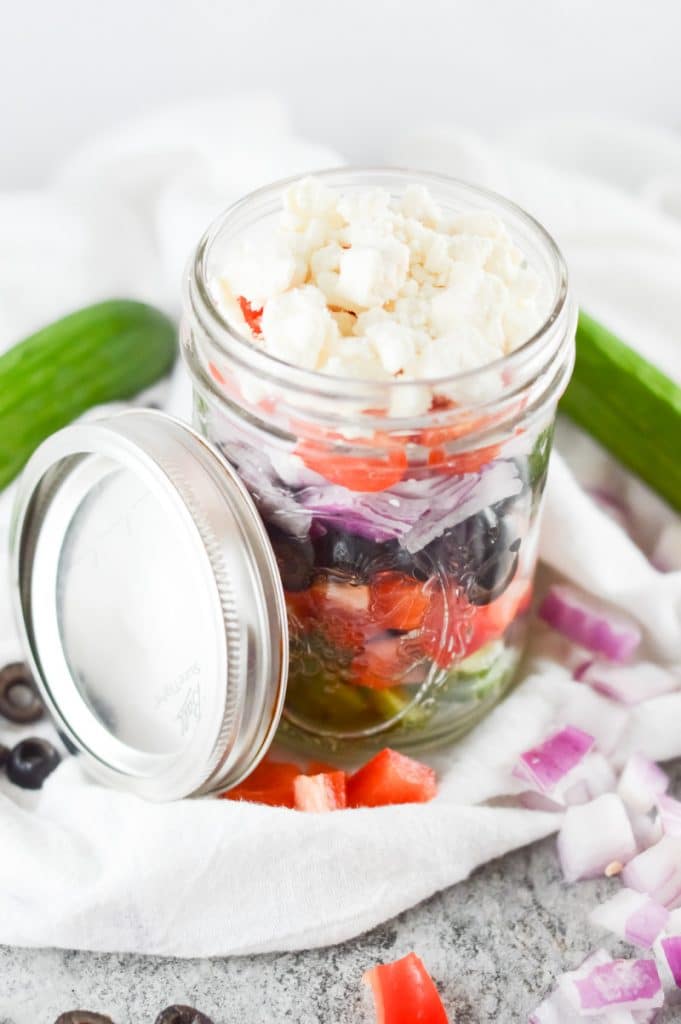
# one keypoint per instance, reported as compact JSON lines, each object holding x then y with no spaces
{"x":4,"y":754}
{"x":19,"y":699}
{"x":295,"y":558}
{"x":82,"y":1017}
{"x":30,"y":762}
{"x":480,"y":553}
{"x":359,"y":558}
{"x":182,"y":1015}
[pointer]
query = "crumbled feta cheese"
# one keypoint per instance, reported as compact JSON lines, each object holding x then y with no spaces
{"x":298,"y":327}
{"x":373,"y":275}
{"x":363,"y":284}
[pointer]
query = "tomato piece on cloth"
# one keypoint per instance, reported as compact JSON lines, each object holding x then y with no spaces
{"x":405,"y":993}
{"x":391,"y":778}
{"x":323,"y":792}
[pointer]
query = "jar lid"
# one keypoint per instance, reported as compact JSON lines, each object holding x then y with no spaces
{"x":150,"y":603}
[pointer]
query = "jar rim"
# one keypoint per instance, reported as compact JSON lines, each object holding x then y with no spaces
{"x":236,"y":345}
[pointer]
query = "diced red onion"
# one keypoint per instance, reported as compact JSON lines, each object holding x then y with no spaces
{"x":670,"y":814}
{"x":647,"y":830}
{"x":590,"y":778}
{"x":628,"y":684}
{"x":657,"y":871}
{"x":589,"y":624}
{"x":641,"y":782}
{"x":593,"y":836}
{"x":627,"y":984}
{"x":545,"y":765}
{"x":557,"y":1008}
{"x":597,"y":715}
{"x":632,"y":916}
{"x":671,"y":949}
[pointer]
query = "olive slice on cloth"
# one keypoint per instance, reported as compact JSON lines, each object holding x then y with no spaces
{"x":30,"y":762}
{"x":177,"y":1014}
{"x":82,"y":1017}
{"x":19,"y":699}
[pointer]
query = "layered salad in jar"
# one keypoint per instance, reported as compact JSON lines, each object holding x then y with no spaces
{"x":405,"y":533}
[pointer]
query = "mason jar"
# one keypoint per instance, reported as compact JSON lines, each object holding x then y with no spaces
{"x":406,"y":543}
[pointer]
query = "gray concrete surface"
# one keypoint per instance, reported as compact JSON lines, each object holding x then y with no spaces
{"x":493,"y":944}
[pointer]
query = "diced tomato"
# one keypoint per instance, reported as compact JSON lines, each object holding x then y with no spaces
{"x":391,"y":778}
{"x":272,"y":783}
{"x":371,"y":472}
{"x":458,"y":463}
{"x":397,"y":601}
{"x":453,"y":628}
{"x":339,"y":610}
{"x":381,"y":664}
{"x":404,"y":993}
{"x":324,"y":792}
{"x":250,"y":315}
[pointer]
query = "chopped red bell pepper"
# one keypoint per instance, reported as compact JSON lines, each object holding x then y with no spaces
{"x":404,"y":993}
{"x":391,"y":778}
{"x":324,"y":792}
{"x":250,"y":315}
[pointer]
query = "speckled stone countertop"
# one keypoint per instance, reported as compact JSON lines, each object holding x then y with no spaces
{"x":494,"y":944}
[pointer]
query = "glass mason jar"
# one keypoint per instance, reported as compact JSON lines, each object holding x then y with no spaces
{"x":406,"y":543}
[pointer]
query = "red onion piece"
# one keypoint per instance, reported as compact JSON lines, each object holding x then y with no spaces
{"x":627,"y":984}
{"x":632,"y":916}
{"x":657,"y":871}
{"x":671,"y":948}
{"x":590,"y":624}
{"x":641,"y":782}
{"x":547,"y":764}
{"x":628,"y":684}
{"x":593,"y":836}
{"x":670,"y":814}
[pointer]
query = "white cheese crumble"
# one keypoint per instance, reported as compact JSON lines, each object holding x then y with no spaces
{"x":366,"y":285}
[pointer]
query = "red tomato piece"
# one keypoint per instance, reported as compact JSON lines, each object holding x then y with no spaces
{"x":397,"y":601}
{"x":391,"y":778}
{"x":250,"y":315}
{"x":370,"y":473}
{"x":404,"y":993}
{"x":274,"y":796}
{"x":453,"y":628}
{"x":462,"y":462}
{"x":323,"y":792}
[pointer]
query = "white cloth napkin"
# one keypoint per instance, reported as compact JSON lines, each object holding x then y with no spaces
{"x":87,"y":867}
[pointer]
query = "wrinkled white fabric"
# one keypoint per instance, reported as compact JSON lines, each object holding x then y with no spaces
{"x":87,"y":867}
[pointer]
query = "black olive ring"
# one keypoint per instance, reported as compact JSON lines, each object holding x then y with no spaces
{"x":30,"y":762}
{"x":178,"y":1014}
{"x":19,"y":700}
{"x":82,"y":1017}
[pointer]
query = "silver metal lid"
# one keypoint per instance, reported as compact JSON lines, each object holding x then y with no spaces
{"x":150,"y":603}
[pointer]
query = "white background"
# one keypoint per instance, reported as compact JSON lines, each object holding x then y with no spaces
{"x":352,"y":72}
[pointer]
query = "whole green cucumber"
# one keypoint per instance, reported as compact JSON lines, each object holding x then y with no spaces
{"x":103,"y":353}
{"x":627,"y":404}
